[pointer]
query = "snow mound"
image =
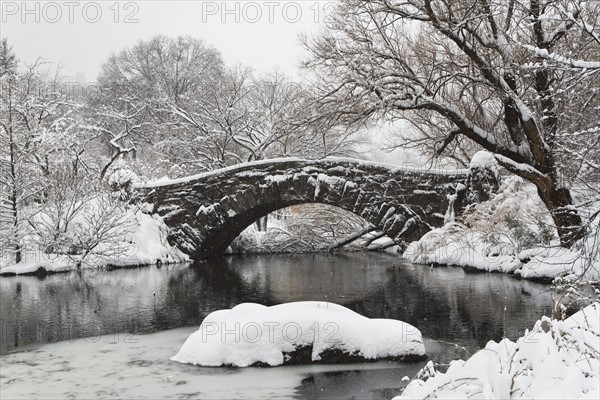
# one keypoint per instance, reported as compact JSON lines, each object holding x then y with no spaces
{"x":557,"y":359}
{"x":253,"y":334}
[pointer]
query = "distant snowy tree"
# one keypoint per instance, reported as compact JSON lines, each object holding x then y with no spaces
{"x":8,"y":60}
{"x":273,"y":99}
{"x":162,"y":80}
{"x":217,"y":121}
{"x":518,"y":78}
{"x":202,"y":115}
{"x":163,"y":68}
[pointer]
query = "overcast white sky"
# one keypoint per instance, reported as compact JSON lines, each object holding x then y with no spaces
{"x":82,"y":34}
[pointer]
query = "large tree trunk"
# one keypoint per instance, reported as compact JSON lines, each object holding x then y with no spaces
{"x":14,"y":205}
{"x":560,"y":204}
{"x":352,"y":237}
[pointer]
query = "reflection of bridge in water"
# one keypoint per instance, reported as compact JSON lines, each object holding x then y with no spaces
{"x":206,"y":212}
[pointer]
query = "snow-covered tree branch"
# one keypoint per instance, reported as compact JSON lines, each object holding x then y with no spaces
{"x":498,"y":73}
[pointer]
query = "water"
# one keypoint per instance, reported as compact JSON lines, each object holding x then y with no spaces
{"x":116,"y":310}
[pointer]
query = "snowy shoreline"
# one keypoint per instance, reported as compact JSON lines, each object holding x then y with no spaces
{"x":43,"y":271}
{"x":145,"y":245}
{"x":51,"y":268}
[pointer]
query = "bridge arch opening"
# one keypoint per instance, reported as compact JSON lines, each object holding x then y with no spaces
{"x":310,"y":227}
{"x":218,"y":239}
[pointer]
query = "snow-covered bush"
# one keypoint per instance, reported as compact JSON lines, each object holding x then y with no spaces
{"x":556,"y":359}
{"x":74,"y":216}
{"x":515,"y":218}
{"x":96,"y":240}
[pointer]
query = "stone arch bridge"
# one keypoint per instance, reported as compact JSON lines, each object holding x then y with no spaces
{"x":206,"y":212}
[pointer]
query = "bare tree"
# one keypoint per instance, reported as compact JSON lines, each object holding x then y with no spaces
{"x":34,"y":114}
{"x":490,"y":71}
{"x":118,"y":129}
{"x":149,"y":92}
{"x":200,"y":115}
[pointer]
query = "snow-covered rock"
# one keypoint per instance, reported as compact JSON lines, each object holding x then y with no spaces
{"x":297,"y":333}
{"x":557,"y":359}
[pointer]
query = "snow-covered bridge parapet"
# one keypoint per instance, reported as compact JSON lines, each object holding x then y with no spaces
{"x":206,"y":212}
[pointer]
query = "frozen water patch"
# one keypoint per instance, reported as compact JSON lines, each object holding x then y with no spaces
{"x":129,"y":367}
{"x":137,"y":367}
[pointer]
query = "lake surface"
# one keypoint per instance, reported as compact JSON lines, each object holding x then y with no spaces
{"x":135,"y":319}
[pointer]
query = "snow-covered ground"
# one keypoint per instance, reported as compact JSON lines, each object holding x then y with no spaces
{"x":511,"y":233}
{"x":143,"y":243}
{"x":556,"y":359}
{"x":250,"y":334}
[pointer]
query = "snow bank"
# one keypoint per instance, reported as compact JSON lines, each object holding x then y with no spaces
{"x":58,"y":263}
{"x":557,"y":359}
{"x":144,"y":243}
{"x":491,"y":234}
{"x":511,"y":233}
{"x":309,"y":331}
{"x":556,"y":262}
{"x":456,"y":244}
